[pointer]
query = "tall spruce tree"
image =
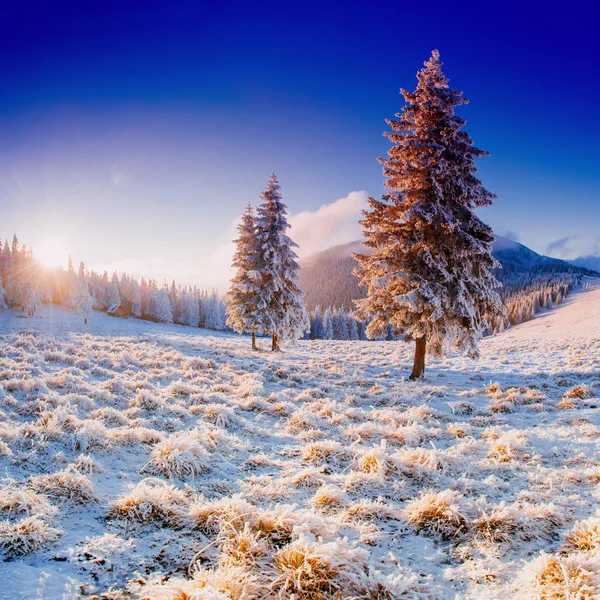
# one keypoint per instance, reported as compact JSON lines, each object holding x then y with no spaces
{"x":244,"y":293}
{"x":429,"y":274}
{"x":281,"y":306}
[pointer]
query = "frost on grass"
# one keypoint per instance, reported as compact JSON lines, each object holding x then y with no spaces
{"x":553,"y":577}
{"x":151,"y":501}
{"x":65,"y":485}
{"x":26,"y":535}
{"x":182,"y":465}
{"x":180,"y":455}
{"x":446,"y":513}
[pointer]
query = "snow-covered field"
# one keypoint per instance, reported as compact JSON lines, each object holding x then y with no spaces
{"x":164,"y":462}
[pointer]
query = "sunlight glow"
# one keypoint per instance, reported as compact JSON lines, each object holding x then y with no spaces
{"x":52,"y":252}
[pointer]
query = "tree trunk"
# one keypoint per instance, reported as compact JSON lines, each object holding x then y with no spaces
{"x":419,"y":365}
{"x":254,"y":341}
{"x":275,"y":343}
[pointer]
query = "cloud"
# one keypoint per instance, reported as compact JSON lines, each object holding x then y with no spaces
{"x":560,"y":247}
{"x":511,"y":235}
{"x":330,"y":225}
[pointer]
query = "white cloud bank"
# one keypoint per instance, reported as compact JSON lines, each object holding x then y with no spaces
{"x":330,"y":225}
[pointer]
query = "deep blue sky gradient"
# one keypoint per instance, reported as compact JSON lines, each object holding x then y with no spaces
{"x":171,"y":115}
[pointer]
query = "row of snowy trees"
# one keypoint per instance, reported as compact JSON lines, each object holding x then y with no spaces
{"x":521,"y":300}
{"x":265,"y":295}
{"x":336,"y":324}
{"x":24,"y":283}
{"x":21,"y":281}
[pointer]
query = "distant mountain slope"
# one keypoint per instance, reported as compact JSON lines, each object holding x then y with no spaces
{"x":327,"y":279}
{"x":587,"y":262}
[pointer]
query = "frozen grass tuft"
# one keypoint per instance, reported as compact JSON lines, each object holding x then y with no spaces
{"x":551,"y":577}
{"x":446,"y":513}
{"x":318,"y":571}
{"x":584,"y":537}
{"x":151,"y":501}
{"x":25,"y":536}
{"x":181,"y":455}
{"x":65,"y":485}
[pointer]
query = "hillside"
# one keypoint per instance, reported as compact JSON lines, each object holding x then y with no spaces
{"x":130,"y":451}
{"x":327,"y":279}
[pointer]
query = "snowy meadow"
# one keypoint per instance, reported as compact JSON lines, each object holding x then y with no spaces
{"x":141,"y":460}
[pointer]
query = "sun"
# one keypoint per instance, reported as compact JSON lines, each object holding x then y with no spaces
{"x":52,"y":252}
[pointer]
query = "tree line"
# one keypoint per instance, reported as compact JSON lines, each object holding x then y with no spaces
{"x":26,"y":284}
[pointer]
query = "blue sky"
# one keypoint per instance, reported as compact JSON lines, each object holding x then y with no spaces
{"x":136,"y":136}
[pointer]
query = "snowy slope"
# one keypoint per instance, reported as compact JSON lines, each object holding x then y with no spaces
{"x":446,"y":488}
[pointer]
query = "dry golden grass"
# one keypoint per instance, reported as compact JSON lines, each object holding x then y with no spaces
{"x":444,"y":513}
{"x":585,"y":536}
{"x":66,"y":485}
{"x":550,"y":577}
{"x":151,"y":501}
{"x":25,"y":535}
{"x":309,"y":570}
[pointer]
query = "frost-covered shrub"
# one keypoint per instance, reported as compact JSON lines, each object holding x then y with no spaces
{"x":65,"y":485}
{"x":324,"y":452}
{"x":86,"y":465}
{"x":151,"y":501}
{"x":585,"y":536}
{"x":511,"y":445}
{"x":16,"y":501}
{"x":371,"y":510}
{"x":25,"y":535}
{"x":446,"y":513}
{"x":5,"y":450}
{"x":499,"y":525}
{"x":314,"y":570}
{"x":226,"y":582}
{"x":581,"y":391}
{"x":180,"y":455}
{"x":375,"y":460}
{"x":421,"y":462}
{"x":91,"y":434}
{"x":217,"y":414}
{"x":329,"y":497}
{"x":552,"y":577}
{"x":246,"y":547}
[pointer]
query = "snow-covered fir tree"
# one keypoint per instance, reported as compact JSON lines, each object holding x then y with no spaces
{"x":215,"y":317}
{"x":352,"y":328}
{"x":316,"y":328}
{"x":114,"y":297}
{"x":163,"y":307}
{"x":244,"y":293}
{"x":429,"y":273}
{"x":2,"y":295}
{"x":328,"y":325}
{"x":72,"y":284}
{"x":192,"y":309}
{"x":83,"y":299}
{"x":281,"y":306}
{"x":136,"y":300}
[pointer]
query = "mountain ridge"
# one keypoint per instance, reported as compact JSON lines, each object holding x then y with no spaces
{"x":327,"y":280}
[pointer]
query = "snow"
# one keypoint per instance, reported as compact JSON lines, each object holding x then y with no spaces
{"x":195,"y":448}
